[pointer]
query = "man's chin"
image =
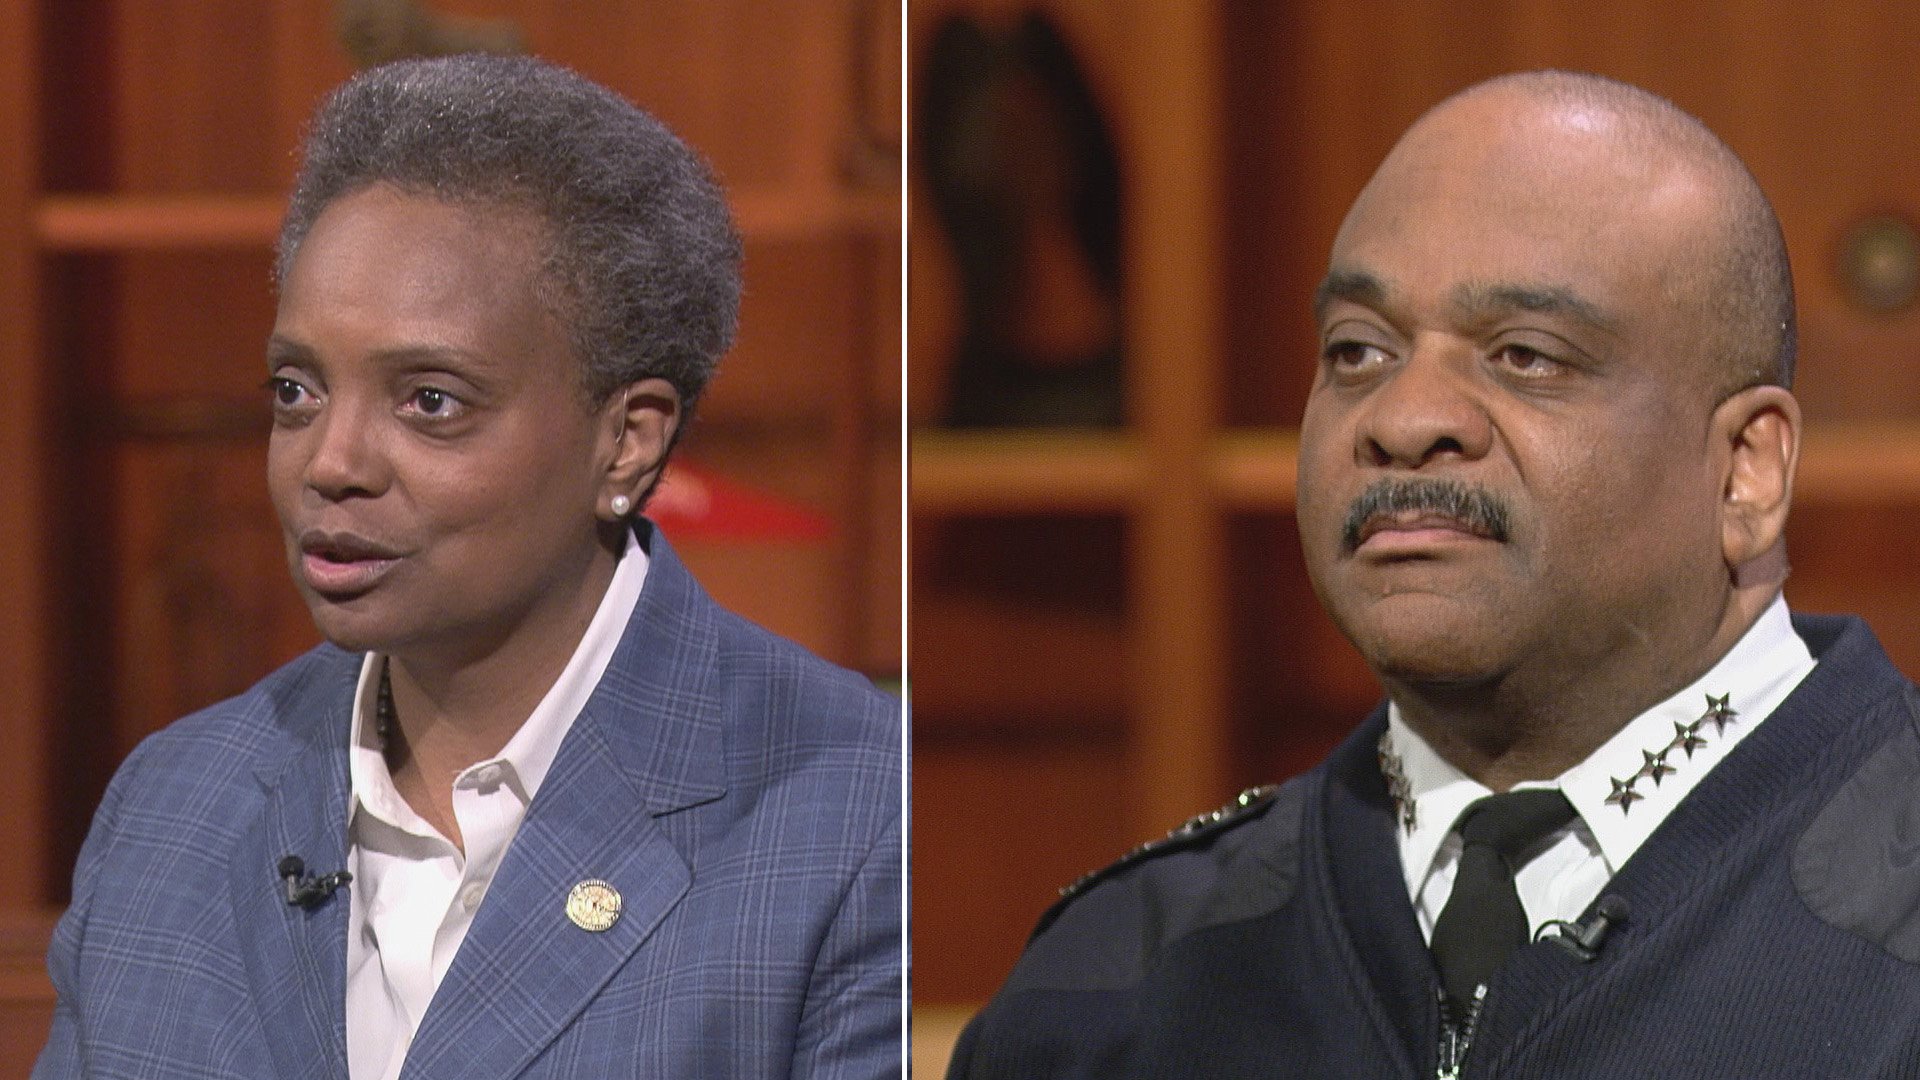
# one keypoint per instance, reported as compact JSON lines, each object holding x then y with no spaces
{"x":1429,"y":643}
{"x":1436,"y":668}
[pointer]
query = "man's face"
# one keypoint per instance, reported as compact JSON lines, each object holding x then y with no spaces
{"x":1505,"y":462}
{"x":432,"y":462}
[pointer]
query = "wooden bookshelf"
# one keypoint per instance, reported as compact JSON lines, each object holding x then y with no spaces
{"x":1073,"y":682}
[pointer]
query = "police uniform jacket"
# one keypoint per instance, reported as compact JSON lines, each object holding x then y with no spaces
{"x":1771,"y":928}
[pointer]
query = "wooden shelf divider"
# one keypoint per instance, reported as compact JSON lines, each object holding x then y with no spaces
{"x":1253,"y":470}
{"x":1859,"y":464}
{"x":84,"y":222}
{"x":156,"y":222}
{"x":790,"y":215}
{"x":1013,"y":472}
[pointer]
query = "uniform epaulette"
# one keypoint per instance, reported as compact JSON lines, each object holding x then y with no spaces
{"x":1196,"y":828}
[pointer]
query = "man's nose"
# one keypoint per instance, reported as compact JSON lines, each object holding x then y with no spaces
{"x":1428,"y":408}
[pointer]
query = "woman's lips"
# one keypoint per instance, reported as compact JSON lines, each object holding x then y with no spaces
{"x":339,"y":564}
{"x":339,"y":578}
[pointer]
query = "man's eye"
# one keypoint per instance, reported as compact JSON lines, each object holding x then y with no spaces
{"x":1353,"y":355}
{"x":1525,"y":361}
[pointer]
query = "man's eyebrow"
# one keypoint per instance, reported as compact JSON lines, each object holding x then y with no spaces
{"x":1356,"y":286}
{"x":1539,"y":299}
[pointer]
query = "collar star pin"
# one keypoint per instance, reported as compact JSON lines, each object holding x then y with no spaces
{"x":1687,"y":736}
{"x":1623,"y":795}
{"x":593,"y":905}
{"x":1397,"y":786}
{"x":1719,"y":711}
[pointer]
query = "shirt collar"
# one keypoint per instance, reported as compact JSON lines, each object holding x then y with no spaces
{"x":1650,"y":758}
{"x":523,"y":763}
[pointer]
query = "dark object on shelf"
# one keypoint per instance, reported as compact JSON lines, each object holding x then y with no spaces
{"x":1026,"y":180}
{"x":378,"y":31}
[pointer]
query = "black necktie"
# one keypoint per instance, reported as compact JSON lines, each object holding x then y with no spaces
{"x":1483,"y":921}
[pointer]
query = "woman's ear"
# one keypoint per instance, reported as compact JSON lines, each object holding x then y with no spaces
{"x":1760,"y":429}
{"x":640,"y":422}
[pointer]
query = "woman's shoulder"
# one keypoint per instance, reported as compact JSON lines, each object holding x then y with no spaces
{"x":288,"y":707}
{"x":757,"y":663}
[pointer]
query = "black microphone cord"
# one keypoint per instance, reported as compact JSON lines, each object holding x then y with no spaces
{"x":1583,"y":939}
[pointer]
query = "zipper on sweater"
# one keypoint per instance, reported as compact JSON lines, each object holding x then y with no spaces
{"x":1456,"y":1034}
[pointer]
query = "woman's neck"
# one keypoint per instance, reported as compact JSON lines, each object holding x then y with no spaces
{"x":450,"y":709}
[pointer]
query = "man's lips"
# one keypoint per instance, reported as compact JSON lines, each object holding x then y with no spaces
{"x":341,"y":564}
{"x":1409,"y":531}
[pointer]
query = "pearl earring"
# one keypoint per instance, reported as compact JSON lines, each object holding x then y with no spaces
{"x":620,"y":504}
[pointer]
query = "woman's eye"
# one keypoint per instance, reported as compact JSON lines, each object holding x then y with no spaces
{"x":433,"y":403}
{"x":286,"y":392}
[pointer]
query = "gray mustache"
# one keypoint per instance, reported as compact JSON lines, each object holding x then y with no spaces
{"x":1471,"y":506}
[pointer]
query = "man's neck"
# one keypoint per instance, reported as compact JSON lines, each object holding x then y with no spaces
{"x":1537,"y":725}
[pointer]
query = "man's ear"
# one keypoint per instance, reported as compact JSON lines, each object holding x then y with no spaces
{"x":1760,"y":429}
{"x":639,"y":423}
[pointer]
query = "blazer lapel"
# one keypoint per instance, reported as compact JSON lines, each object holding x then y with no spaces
{"x":649,"y":743}
{"x":296,"y":958}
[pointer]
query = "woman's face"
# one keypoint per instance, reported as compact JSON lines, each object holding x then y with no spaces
{"x":433,"y":462}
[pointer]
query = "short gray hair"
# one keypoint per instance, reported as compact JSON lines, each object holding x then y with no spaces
{"x":642,"y":254}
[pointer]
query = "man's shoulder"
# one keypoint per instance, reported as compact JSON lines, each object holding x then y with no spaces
{"x":1852,"y":863}
{"x":1216,"y":829}
{"x":1236,"y":863}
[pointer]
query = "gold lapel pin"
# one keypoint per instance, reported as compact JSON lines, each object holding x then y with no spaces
{"x":593,"y":905}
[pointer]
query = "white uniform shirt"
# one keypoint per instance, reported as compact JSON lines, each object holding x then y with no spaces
{"x":414,"y":894}
{"x":1755,"y":676}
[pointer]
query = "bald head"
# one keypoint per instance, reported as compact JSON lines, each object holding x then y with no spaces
{"x":1617,"y":154}
{"x":1544,"y":459}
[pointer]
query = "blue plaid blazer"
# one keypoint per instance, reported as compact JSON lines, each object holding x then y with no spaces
{"x":743,"y":796}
